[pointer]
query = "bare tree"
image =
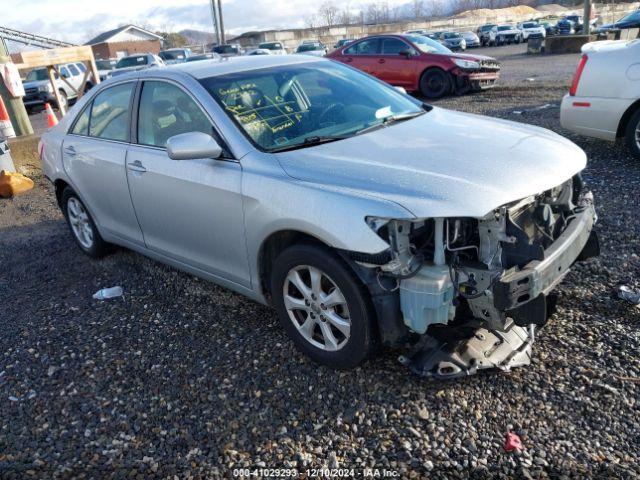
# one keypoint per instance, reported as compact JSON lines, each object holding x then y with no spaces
{"x":328,"y":14}
{"x":417,"y":7}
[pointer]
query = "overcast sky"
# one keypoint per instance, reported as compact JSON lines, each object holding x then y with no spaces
{"x":77,"y":20}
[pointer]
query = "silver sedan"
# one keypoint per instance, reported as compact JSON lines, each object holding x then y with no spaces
{"x":364,"y":216}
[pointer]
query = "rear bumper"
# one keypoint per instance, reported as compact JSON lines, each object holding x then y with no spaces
{"x":518,"y":287}
{"x":593,"y":116}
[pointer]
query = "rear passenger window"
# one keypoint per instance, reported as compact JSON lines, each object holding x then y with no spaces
{"x":74,"y":70}
{"x":165,"y":111}
{"x":81,"y":67}
{"x":110,"y":113}
{"x":365,"y":47}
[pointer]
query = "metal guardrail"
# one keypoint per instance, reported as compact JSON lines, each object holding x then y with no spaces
{"x":31,"y":39}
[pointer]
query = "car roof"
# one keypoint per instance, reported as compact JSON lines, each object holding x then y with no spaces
{"x":223,"y":66}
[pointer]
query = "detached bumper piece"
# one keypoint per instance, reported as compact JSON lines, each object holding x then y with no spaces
{"x":460,"y":353}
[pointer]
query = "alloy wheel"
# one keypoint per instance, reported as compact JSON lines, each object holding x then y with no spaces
{"x":80,"y":223}
{"x":317,"y":308}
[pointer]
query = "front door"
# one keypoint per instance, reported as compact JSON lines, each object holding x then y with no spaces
{"x":94,"y":155}
{"x":363,"y":55}
{"x":393,"y":67}
{"x":189,"y":210}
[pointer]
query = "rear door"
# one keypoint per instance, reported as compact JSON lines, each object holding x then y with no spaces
{"x":94,"y":156}
{"x":189,"y":210}
{"x":363,"y":55}
{"x":392,"y":67}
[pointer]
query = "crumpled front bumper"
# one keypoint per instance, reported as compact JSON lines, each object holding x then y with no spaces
{"x":579,"y":241}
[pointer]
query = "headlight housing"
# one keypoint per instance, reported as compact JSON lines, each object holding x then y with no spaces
{"x":466,"y":64}
{"x":45,"y":88}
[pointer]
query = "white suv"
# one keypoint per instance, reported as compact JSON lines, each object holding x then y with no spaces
{"x":604,"y":99}
{"x":528,"y":28}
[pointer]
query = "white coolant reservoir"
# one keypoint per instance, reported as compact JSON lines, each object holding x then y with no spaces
{"x":426,"y":297}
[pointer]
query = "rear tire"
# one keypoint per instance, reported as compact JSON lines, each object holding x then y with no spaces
{"x":435,"y":83}
{"x":329,"y":319}
{"x":632,"y":134}
{"x":83,"y":229}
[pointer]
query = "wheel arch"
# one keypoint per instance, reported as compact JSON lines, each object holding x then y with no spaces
{"x":626,"y":116}
{"x":59,"y":186}
{"x":271,"y":247}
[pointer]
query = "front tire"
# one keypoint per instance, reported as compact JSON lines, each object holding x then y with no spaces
{"x":633,"y":134}
{"x":323,"y":306}
{"x":83,"y":229}
{"x":435,"y":83}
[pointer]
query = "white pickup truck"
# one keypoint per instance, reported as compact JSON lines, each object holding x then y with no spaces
{"x":38,"y":89}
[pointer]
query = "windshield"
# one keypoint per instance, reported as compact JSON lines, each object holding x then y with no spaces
{"x":309,"y":47}
{"x":504,"y":27}
{"x":271,"y":46}
{"x":486,"y":28}
{"x":284,"y":107}
{"x":173,"y":55}
{"x":132,"y":61}
{"x":529,"y":25}
{"x":105,"y":64}
{"x":450,"y":35}
{"x":37,"y":75}
{"x":426,"y":45}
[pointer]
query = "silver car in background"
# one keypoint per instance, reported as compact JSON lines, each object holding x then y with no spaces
{"x":354,"y":209}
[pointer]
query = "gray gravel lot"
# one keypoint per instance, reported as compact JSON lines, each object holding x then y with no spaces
{"x":180,"y":377}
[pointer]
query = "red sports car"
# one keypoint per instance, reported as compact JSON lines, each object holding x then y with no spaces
{"x":419,"y":64}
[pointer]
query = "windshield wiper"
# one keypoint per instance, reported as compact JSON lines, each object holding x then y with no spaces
{"x":310,"y":141}
{"x":389,"y":120}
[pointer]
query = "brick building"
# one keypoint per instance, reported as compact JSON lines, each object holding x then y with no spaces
{"x":124,"y":41}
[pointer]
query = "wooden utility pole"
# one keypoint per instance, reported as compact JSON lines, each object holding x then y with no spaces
{"x":586,"y":18}
{"x":214,"y":18}
{"x":15,"y":106}
{"x":220,"y":22}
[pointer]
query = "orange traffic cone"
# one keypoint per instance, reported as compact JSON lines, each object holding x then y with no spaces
{"x":6,"y":129}
{"x":52,"y":120}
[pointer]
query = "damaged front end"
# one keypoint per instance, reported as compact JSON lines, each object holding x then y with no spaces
{"x":471,"y":291}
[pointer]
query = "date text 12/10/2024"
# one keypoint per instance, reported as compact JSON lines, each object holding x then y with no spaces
{"x":315,"y":473}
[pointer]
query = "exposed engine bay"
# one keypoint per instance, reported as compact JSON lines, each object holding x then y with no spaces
{"x":472,"y":291}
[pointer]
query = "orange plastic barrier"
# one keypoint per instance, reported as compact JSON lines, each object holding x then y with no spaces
{"x":14,"y":184}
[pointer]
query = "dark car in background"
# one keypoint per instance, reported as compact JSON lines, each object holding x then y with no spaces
{"x":628,"y":21}
{"x":203,"y":56}
{"x":453,"y":41}
{"x":419,"y":64}
{"x":227,"y":50}
{"x":484,"y":32}
{"x":175,"y":55}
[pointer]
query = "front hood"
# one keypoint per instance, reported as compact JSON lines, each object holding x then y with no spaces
{"x":35,"y":83}
{"x":471,"y":56}
{"x":442,"y":164}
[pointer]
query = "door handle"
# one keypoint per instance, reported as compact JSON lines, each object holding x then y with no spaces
{"x":136,"y":167}
{"x":70,"y":151}
{"x":381,"y":60}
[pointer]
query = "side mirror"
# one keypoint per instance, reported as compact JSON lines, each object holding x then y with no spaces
{"x":406,"y":53}
{"x":193,"y":145}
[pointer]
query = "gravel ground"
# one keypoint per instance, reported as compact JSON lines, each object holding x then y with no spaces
{"x":180,"y":377}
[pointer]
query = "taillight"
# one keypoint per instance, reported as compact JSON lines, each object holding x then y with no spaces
{"x":577,"y":75}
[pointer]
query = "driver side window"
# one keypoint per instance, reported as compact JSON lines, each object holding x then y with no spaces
{"x":165,"y":111}
{"x":393,"y":46}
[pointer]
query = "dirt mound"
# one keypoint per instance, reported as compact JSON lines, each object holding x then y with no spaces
{"x":503,"y":12}
{"x":551,"y":8}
